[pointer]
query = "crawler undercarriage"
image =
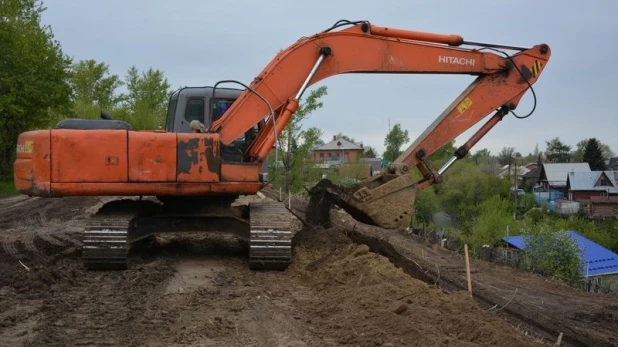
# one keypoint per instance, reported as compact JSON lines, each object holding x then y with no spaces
{"x":119,"y":224}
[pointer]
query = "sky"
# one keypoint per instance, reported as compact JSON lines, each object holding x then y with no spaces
{"x":197,"y":43}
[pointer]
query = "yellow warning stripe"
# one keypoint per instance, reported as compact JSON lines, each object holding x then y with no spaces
{"x":536,"y":68}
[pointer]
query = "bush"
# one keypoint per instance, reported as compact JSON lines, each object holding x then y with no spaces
{"x":494,"y":216}
{"x":553,"y":253}
{"x":534,"y":215}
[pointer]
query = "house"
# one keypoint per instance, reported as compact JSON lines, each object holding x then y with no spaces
{"x":599,"y":265}
{"x":553,"y":176}
{"x":601,"y":207}
{"x":520,"y":170}
{"x":338,"y":151}
{"x":531,"y":178}
{"x":531,"y":166}
{"x":581,"y":186}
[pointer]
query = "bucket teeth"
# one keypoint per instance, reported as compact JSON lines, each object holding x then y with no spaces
{"x":270,"y":244}
{"x":105,"y":245}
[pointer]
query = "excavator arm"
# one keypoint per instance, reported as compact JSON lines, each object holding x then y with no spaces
{"x":387,"y":199}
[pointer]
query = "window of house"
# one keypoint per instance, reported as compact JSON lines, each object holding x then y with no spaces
{"x":321,"y":155}
{"x":195,"y":110}
{"x":603,"y":182}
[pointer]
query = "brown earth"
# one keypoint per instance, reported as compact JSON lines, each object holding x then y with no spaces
{"x":195,"y":289}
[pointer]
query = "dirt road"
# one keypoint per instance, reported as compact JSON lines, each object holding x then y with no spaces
{"x":191,"y":289}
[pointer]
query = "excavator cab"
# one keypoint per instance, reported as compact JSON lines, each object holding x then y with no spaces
{"x":206,"y":105}
{"x":197,"y":103}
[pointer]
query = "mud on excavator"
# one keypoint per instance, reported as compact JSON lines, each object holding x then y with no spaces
{"x":216,"y":140}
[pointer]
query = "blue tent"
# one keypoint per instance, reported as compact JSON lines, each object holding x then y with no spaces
{"x":597,"y":260}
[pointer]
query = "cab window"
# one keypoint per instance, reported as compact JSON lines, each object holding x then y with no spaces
{"x":195,"y":110}
{"x":171,"y":113}
{"x":219,"y":107}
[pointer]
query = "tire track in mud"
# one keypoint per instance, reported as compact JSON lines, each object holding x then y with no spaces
{"x":30,"y":247}
{"x":30,"y":226}
{"x":8,"y":245}
{"x":54,"y":241}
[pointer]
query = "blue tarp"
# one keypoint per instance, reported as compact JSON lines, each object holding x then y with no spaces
{"x":597,"y":260}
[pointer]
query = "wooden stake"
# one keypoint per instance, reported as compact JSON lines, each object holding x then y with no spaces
{"x":468,"y":269}
{"x":559,"y":341}
{"x":280,"y":196}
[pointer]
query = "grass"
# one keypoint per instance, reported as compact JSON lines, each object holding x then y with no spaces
{"x":7,"y":187}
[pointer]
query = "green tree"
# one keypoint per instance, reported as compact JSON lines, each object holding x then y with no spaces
{"x":146,"y":98}
{"x":34,"y":74}
{"x":425,"y":205}
{"x":303,"y":168}
{"x":506,"y":155}
{"x":442,"y":154}
{"x":345,"y":137}
{"x":94,"y":89}
{"x":581,"y":146}
{"x":464,"y":188}
{"x":593,"y":155}
{"x":393,"y":142}
{"x":481,"y":155}
{"x":369,"y":152}
{"x":493,"y":216}
{"x":292,"y":153}
{"x":557,"y":151}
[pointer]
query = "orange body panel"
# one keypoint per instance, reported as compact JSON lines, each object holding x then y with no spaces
{"x":152,"y":157}
{"x":198,"y":157}
{"x":240,"y":172}
{"x":32,"y":164}
{"x":89,"y":156}
{"x":62,"y":162}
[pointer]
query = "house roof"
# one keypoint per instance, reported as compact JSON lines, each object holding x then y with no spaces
{"x":339,"y":144}
{"x":505,"y":170}
{"x":535,"y":173}
{"x":596,"y":259}
{"x":556,"y":173}
{"x":587,"y":181}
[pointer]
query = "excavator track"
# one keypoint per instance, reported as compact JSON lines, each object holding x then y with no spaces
{"x":105,"y":244}
{"x":270,"y":238}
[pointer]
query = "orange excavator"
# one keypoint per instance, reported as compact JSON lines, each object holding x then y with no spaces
{"x":217,"y":140}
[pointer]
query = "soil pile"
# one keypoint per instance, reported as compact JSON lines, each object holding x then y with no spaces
{"x":365,"y":300}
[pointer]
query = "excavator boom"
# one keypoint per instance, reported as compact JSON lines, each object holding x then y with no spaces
{"x":386,"y":200}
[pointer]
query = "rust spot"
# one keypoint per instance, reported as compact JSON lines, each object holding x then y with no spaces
{"x":525,"y":72}
{"x":212,"y":154}
{"x":187,"y":155}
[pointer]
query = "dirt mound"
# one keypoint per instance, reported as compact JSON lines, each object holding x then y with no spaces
{"x":365,"y":300}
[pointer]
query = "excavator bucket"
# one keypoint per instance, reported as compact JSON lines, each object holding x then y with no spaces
{"x":371,"y":202}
